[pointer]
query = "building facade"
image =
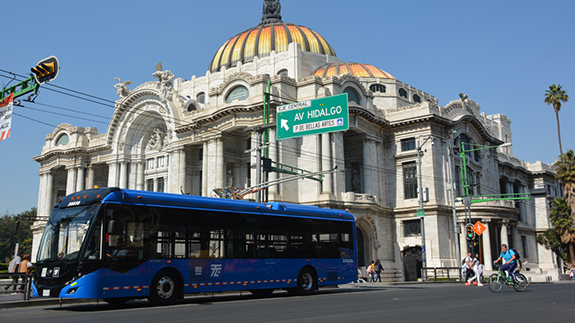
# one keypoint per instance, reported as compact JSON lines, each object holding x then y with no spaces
{"x":191,"y":136}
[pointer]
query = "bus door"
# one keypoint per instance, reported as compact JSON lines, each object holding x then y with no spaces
{"x":125,"y":266}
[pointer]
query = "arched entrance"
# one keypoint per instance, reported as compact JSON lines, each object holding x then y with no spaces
{"x":412,"y":263}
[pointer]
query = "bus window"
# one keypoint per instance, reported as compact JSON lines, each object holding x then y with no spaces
{"x":93,"y":250}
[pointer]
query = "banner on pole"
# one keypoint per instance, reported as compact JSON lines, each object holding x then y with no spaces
{"x":6,"y":116}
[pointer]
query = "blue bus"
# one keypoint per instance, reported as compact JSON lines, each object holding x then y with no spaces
{"x":119,"y":244}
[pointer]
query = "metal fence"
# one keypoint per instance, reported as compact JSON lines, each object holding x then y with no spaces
{"x":16,"y":283}
{"x":441,"y":274}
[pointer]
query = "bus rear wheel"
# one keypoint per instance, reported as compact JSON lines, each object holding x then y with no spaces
{"x":306,"y":283}
{"x":164,"y":288}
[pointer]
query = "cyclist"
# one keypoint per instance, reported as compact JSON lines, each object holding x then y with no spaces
{"x":510,"y":263}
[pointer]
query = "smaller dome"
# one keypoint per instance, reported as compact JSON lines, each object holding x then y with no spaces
{"x":357,"y":69}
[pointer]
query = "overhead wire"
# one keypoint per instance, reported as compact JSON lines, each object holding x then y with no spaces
{"x":296,"y":153}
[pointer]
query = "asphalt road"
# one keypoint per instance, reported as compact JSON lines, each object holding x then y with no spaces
{"x":389,"y":303}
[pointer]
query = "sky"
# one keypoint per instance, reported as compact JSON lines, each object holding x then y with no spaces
{"x":503,"y":54}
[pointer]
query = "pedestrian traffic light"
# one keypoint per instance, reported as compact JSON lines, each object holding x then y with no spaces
{"x":46,"y":70}
{"x":469,"y":231}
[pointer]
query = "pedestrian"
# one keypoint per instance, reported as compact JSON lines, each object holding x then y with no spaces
{"x":572,"y":274}
{"x":13,"y":268}
{"x":25,"y":268}
{"x":369,"y":270}
{"x":477,"y":268}
{"x":377,"y":268}
{"x":466,"y":269}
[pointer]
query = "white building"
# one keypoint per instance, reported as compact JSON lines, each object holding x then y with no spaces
{"x":175,"y":136}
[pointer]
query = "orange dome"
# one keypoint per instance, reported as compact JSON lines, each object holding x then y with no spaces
{"x":261,"y":40}
{"x":357,"y":69}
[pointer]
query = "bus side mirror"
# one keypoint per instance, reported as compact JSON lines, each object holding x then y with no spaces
{"x":112,"y":226}
{"x":16,"y":227}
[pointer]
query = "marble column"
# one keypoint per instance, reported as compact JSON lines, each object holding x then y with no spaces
{"x":80,"y":179}
{"x":71,"y":180}
{"x":504,"y":238}
{"x":90,"y":181}
{"x":123,"y":174}
{"x":366,"y":178}
{"x":486,"y":241}
{"x":112,"y":174}
{"x":205,"y":169}
{"x":220,"y":163}
{"x":49,"y":194}
{"x":140,"y":176}
{"x":182,"y":171}
{"x":326,"y":163}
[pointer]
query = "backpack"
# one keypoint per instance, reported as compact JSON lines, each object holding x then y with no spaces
{"x":517,"y":255}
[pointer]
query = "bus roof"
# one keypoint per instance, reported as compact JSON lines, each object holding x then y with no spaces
{"x":135,"y":197}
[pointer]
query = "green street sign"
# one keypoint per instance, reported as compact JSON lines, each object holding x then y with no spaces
{"x":329,"y":114}
{"x":420,"y":212}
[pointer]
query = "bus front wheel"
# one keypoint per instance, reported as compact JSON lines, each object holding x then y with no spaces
{"x":306,"y":283}
{"x":164,"y":288}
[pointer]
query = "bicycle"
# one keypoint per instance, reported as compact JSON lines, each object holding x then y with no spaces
{"x":496,"y":281}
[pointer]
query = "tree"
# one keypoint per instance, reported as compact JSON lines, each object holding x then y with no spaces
{"x":24,"y":236}
{"x":561,"y":237}
{"x":555,"y":96}
{"x":565,"y":174}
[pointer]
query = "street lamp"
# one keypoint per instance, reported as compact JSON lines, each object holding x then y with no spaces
{"x":420,"y":212}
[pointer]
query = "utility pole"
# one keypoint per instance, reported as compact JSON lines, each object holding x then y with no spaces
{"x":422,"y":216}
{"x":454,"y":211}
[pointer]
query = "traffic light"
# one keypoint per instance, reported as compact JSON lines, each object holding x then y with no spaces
{"x":469,"y":231}
{"x":46,"y":70}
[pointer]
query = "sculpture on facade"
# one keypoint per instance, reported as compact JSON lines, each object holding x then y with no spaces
{"x":156,"y":141}
{"x":164,"y":79}
{"x":122,"y":88}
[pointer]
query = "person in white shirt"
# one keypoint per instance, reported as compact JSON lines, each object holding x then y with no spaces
{"x":478,"y":271}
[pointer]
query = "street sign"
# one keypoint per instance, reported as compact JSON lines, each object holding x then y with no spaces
{"x":420,"y":212}
{"x":329,"y":114}
{"x":479,"y":228}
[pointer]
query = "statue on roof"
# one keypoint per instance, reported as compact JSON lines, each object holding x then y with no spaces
{"x":164,"y":80}
{"x":272,"y":11}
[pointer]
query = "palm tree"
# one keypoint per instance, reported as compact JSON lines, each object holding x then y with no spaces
{"x":555,"y":95}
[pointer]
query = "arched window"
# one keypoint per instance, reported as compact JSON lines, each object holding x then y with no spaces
{"x":201,"y":98}
{"x":377,"y":88}
{"x":416,"y":98}
{"x":402,"y":93}
{"x":352,"y":95}
{"x":238,"y":93}
{"x":63,"y":140}
{"x":283,"y":72}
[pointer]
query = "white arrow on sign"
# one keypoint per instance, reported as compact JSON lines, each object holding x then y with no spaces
{"x":285,"y":125}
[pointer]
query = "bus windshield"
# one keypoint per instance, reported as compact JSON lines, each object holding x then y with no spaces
{"x":65,"y":232}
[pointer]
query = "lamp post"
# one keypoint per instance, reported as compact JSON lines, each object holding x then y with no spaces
{"x":420,"y":211}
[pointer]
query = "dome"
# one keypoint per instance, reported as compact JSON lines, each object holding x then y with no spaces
{"x":357,"y":69}
{"x":271,"y":34}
